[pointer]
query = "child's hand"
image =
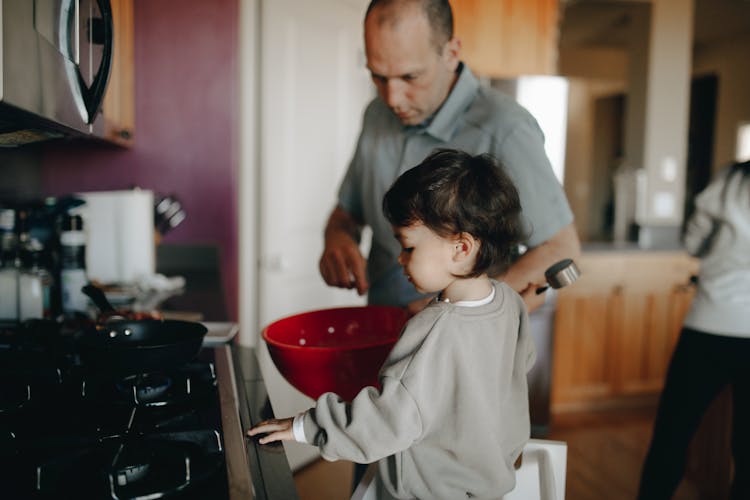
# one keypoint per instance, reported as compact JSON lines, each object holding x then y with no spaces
{"x":275,"y":430}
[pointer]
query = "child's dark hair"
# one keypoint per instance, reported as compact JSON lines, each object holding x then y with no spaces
{"x":453,"y":192}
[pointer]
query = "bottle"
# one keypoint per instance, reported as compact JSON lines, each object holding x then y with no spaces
{"x":73,"y":265}
{"x":35,"y":283}
{"x":9,"y":265}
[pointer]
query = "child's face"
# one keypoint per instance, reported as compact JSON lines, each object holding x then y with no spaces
{"x":427,"y":258}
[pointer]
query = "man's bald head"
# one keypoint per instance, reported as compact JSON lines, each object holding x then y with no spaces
{"x":438,"y":13}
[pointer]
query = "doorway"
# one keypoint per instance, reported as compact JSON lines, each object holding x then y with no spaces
{"x":608,"y":144}
{"x":703,"y":93}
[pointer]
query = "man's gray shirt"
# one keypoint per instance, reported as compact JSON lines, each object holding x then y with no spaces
{"x":474,"y":119}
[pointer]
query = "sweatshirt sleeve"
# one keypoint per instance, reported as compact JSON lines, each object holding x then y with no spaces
{"x":373,"y":426}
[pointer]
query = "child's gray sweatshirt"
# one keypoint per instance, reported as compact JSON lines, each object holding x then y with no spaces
{"x":452,"y":416}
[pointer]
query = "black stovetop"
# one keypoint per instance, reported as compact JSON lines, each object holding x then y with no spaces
{"x":69,"y":432}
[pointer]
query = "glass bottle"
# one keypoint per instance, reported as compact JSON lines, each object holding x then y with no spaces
{"x":10,"y":263}
{"x":73,"y":265}
{"x":35,"y":283}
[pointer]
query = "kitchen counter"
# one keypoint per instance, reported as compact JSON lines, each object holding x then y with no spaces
{"x":625,"y":247}
{"x":199,"y":265}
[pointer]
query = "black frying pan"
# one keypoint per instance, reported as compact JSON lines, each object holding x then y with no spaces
{"x":138,"y":346}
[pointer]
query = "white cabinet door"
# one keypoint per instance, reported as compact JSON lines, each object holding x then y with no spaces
{"x":314,"y":87}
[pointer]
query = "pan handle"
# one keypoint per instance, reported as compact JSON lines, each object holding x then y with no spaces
{"x":97,"y":295}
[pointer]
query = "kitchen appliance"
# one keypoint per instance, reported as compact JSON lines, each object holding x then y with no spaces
{"x":70,"y":430}
{"x":56,"y":59}
{"x":120,"y":235}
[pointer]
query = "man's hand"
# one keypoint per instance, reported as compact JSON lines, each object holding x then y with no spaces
{"x":531,"y":298}
{"x":342,"y":265}
{"x":275,"y":430}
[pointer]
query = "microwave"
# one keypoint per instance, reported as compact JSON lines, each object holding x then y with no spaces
{"x":55,"y":62}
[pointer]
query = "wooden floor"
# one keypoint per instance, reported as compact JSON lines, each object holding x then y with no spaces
{"x":605,"y":455}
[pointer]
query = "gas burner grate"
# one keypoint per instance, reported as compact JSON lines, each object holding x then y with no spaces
{"x":130,"y":467}
{"x":192,"y":382}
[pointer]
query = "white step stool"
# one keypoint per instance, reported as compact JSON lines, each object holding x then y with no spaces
{"x":540,"y":477}
{"x":542,"y":472}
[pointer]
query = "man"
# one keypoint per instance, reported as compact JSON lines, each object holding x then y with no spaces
{"x":428,"y":99}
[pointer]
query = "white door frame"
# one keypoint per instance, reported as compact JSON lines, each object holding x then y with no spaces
{"x":249,"y":161}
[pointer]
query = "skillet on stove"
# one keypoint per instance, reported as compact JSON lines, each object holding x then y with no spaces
{"x":126,"y":346}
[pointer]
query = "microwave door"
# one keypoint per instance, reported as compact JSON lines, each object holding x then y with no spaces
{"x":95,"y":41}
{"x":57,"y":57}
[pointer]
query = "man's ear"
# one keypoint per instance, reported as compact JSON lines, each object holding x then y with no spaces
{"x":452,"y":53}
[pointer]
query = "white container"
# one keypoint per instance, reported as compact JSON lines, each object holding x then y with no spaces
{"x":120,"y":235}
{"x":31,"y":299}
{"x":9,"y":293}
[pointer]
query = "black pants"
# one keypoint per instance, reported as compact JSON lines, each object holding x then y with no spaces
{"x":701,"y":366}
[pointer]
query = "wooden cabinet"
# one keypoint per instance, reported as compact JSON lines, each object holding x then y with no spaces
{"x":508,"y":38}
{"x":118,"y":107}
{"x":615,"y":329}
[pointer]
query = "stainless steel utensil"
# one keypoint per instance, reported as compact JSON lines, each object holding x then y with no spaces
{"x":560,"y":274}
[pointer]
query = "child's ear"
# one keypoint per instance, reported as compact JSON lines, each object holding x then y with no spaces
{"x":465,"y":246}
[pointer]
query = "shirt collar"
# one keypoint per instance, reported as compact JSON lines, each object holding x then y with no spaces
{"x":443,"y":124}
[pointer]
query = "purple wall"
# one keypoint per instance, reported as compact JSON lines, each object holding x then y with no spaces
{"x":186,"y":120}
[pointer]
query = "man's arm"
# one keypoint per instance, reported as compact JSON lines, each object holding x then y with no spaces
{"x":342,"y":265}
{"x":527,"y":273}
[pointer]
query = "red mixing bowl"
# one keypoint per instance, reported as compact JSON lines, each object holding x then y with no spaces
{"x":336,"y":350}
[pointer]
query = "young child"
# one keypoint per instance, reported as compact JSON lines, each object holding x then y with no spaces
{"x":452,"y":416}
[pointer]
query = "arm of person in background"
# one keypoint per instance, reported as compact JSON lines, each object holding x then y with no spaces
{"x":527,"y":274}
{"x":342,"y":264}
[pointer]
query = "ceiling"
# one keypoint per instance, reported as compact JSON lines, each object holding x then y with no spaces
{"x":607,"y":22}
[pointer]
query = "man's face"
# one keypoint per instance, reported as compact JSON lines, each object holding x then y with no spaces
{"x":412,"y":78}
